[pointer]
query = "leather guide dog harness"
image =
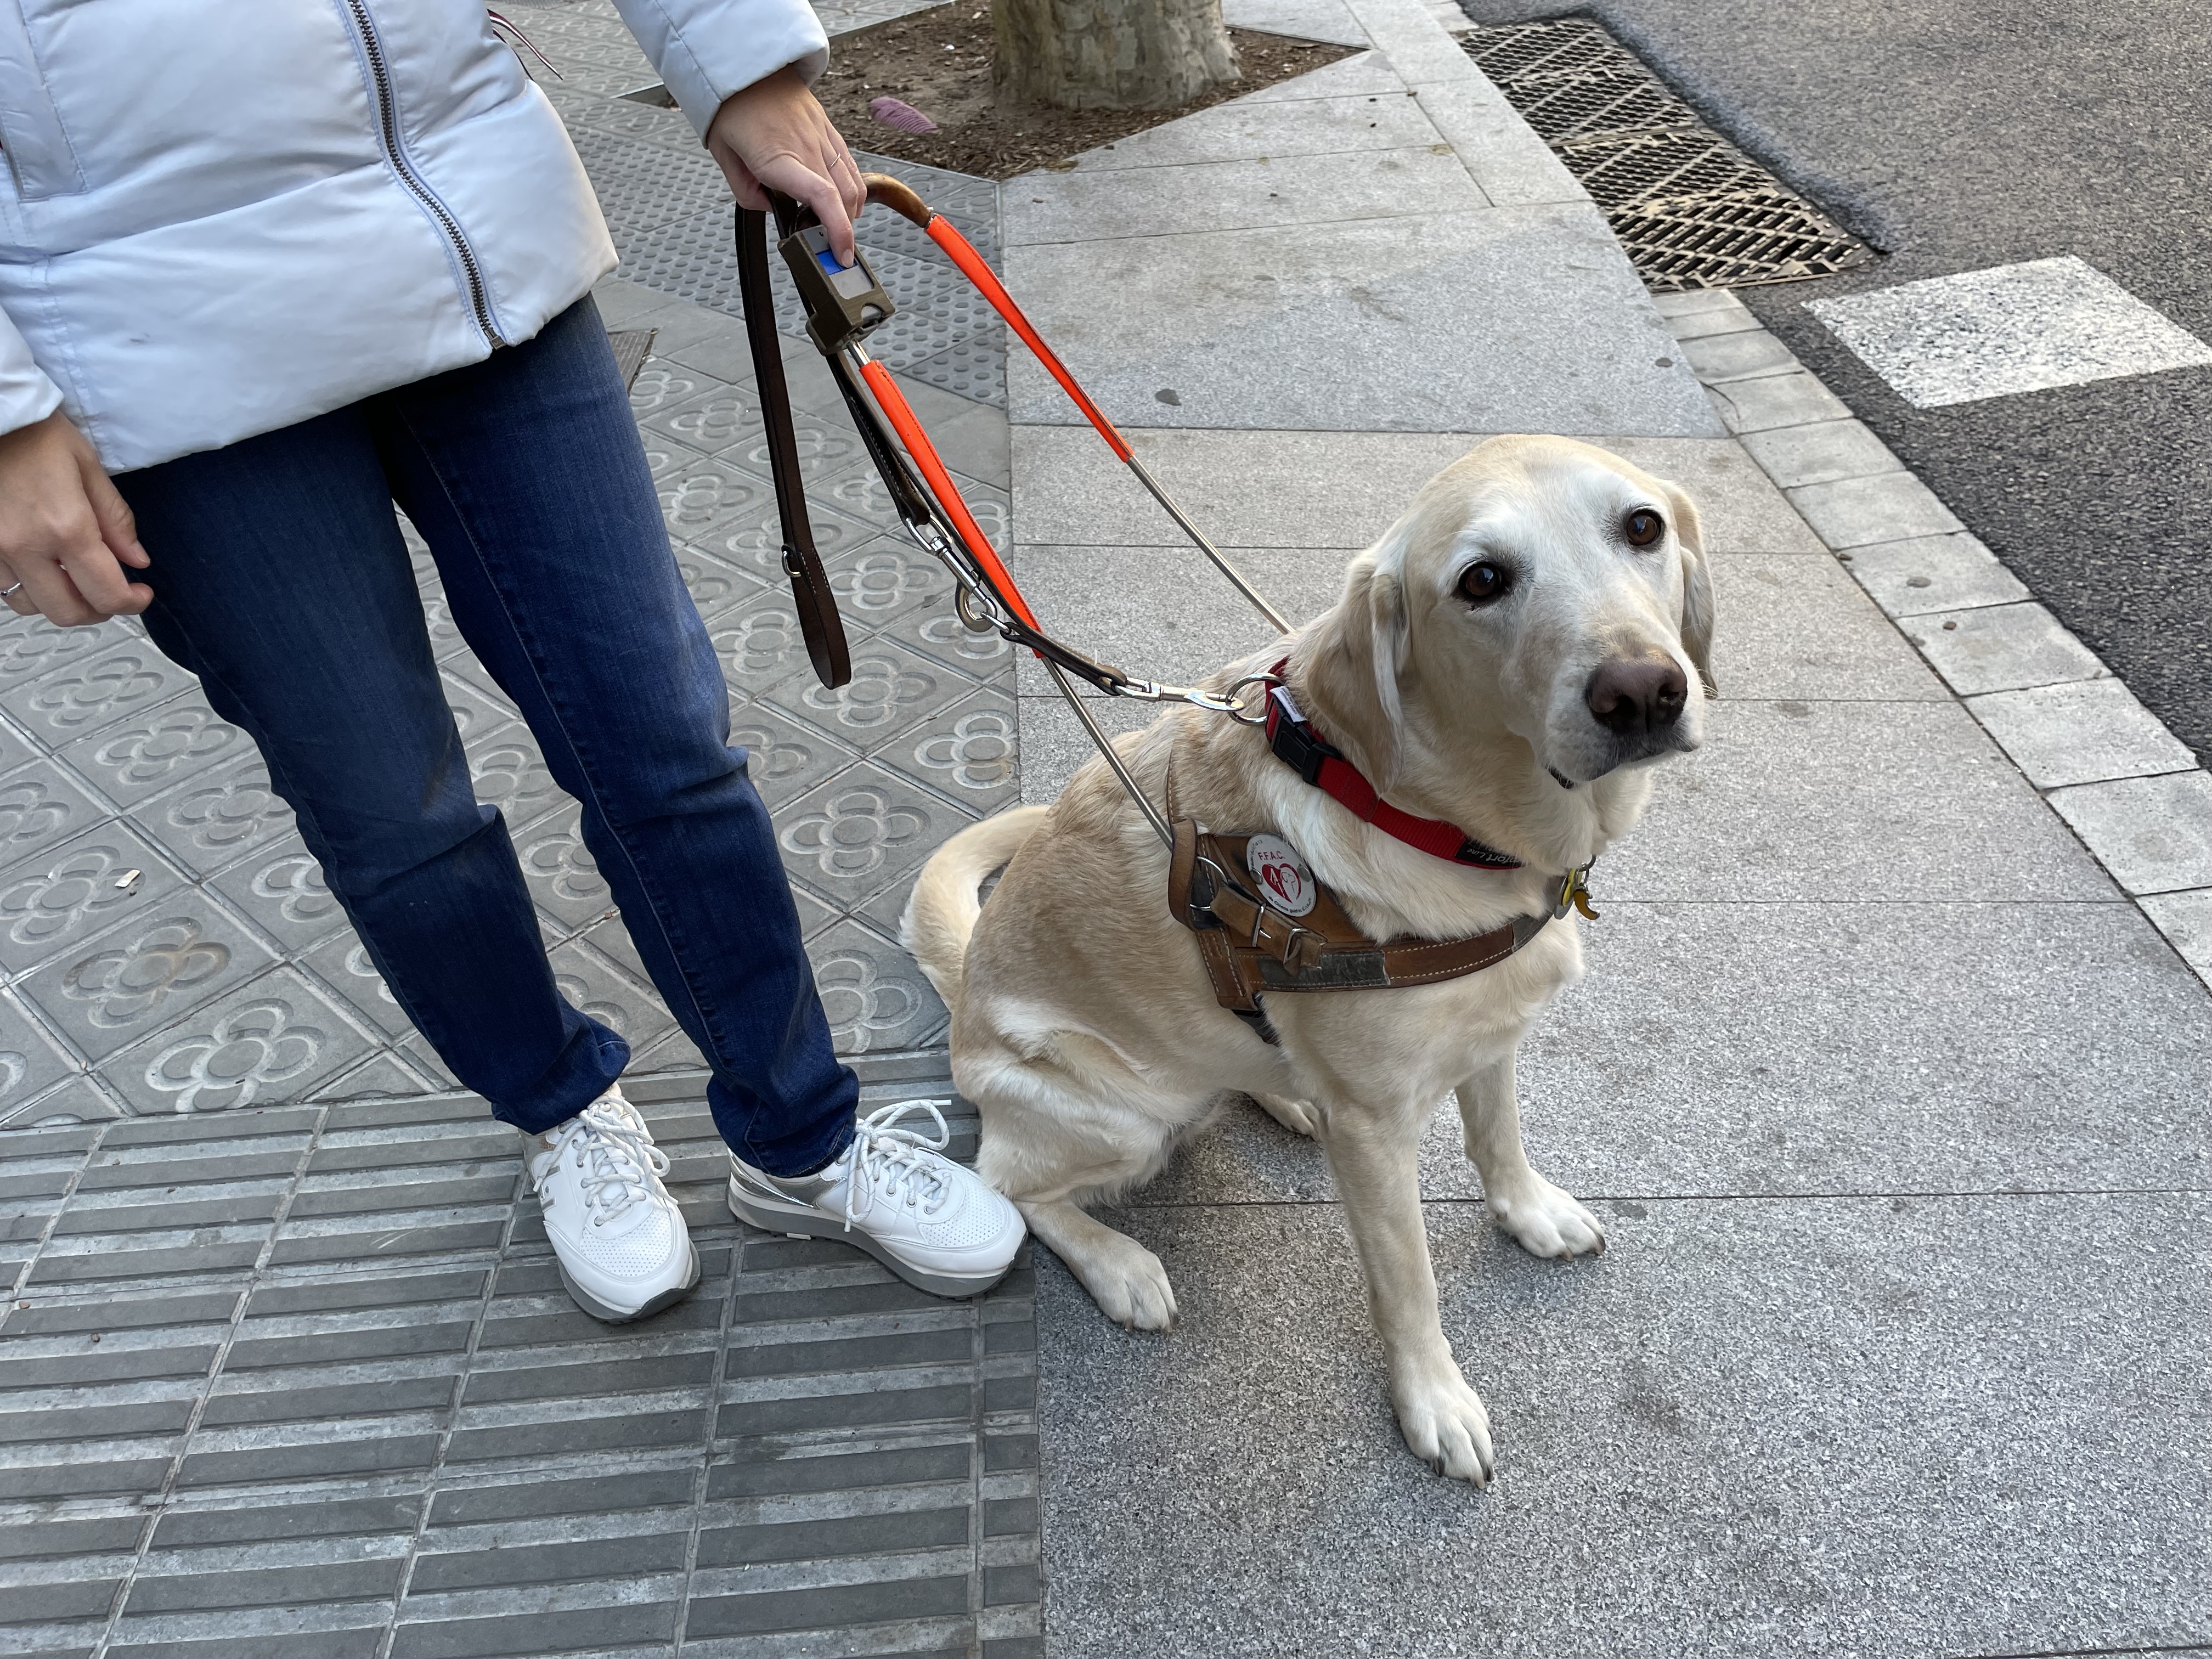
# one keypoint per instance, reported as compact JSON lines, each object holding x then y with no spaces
{"x":1262,"y":922}
{"x":1251,"y":946}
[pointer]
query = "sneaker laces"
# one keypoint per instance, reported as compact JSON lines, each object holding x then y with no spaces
{"x":887,"y":1158}
{"x":620,"y":1164}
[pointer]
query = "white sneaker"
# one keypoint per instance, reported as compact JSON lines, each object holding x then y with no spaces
{"x":623,"y":1250}
{"x":929,"y":1220}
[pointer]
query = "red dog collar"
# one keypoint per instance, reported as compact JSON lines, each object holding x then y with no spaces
{"x":1307,"y":753}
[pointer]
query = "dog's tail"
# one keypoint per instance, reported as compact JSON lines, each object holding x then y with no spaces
{"x":943,"y":911}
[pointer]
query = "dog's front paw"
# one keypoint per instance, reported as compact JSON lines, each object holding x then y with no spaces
{"x":1129,"y":1285}
{"x":1298,"y":1116}
{"x":1444,"y":1423}
{"x":1545,"y":1220}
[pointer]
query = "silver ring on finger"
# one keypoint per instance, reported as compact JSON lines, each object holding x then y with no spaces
{"x":10,"y":593}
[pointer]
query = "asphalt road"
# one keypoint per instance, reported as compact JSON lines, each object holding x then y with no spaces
{"x":1956,"y":135}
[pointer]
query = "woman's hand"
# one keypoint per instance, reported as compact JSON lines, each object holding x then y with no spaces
{"x":65,"y":534}
{"x":774,"y":134}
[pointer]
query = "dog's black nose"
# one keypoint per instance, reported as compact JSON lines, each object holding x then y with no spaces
{"x":1637,"y":696}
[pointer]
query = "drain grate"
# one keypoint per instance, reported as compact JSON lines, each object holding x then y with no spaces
{"x":1692,"y":210}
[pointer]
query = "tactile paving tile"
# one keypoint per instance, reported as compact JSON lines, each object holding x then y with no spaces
{"x":973,"y":368}
{"x":306,"y":1381}
{"x":640,"y":185}
{"x":224,"y":973}
{"x":881,"y":228}
{"x":690,"y":256}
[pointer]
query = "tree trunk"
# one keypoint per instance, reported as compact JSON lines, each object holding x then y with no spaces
{"x":1110,"y":54}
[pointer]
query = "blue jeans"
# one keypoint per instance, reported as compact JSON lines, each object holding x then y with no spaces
{"x":280,"y":579}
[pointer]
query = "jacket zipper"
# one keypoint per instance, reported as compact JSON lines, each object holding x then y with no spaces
{"x":387,"y":115}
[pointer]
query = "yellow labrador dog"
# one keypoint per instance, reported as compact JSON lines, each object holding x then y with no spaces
{"x":1511,"y":658}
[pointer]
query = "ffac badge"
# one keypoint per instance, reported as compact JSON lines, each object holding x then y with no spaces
{"x":1284,"y":879}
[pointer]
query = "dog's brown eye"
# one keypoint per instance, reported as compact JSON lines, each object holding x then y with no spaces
{"x":1642,"y":527}
{"x":1484,"y":582}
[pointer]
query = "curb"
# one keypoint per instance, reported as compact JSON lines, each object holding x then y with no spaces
{"x":2129,"y":790}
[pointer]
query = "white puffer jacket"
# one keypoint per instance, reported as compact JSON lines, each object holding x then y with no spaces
{"x":220,"y":218}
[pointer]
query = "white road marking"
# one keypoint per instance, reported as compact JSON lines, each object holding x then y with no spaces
{"x":2010,"y":329}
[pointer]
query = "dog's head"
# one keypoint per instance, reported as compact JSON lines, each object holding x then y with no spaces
{"x":1539,"y":592}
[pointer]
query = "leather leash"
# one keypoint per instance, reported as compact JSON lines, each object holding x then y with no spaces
{"x":819,"y":623}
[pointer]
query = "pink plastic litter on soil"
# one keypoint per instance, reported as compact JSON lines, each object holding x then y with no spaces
{"x":905,"y":118}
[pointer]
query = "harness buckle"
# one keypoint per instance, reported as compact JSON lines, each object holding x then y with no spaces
{"x":1295,"y":744}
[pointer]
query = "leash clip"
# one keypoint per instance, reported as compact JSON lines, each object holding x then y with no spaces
{"x":1153,"y":691}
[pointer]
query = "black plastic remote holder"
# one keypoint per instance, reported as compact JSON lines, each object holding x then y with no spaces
{"x":843,"y":302}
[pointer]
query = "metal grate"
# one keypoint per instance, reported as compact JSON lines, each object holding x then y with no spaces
{"x":632,"y":346}
{"x":1692,"y":210}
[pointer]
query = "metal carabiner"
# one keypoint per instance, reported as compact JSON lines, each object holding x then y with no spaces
{"x":1254,"y":714}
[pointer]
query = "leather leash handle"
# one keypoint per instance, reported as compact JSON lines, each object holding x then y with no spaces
{"x":819,"y":623}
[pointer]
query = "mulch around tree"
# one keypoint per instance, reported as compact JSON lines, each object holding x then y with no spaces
{"x":939,"y":61}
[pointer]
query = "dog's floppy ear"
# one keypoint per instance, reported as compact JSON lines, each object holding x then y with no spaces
{"x":1359,"y":655}
{"x":1697,"y":588}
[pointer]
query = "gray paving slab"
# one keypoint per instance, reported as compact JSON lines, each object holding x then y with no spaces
{"x":1779,"y":400}
{"x":1339,"y":489}
{"x":2185,"y":920}
{"x":1311,"y":20}
{"x":1933,"y":573}
{"x":280,"y":888}
{"x":124,"y":678}
{"x":1915,"y":1048}
{"x":846,"y":840}
{"x":144,"y":753}
{"x":1087,"y":596}
{"x":2083,"y":733}
{"x":64,"y":895}
{"x":1720,"y":358}
{"x":1264,"y":329}
{"x":1891,"y":506}
{"x":1820,"y":454}
{"x":1053,"y":745}
{"x":1494,"y":144}
{"x":15,"y":749}
{"x":143,"y":974}
{"x":1795,"y":628}
{"x":40,"y":806}
{"x":2154,"y":833}
{"x":1800,"y":801}
{"x":1248,"y":128}
{"x":1356,"y":76}
{"x":1325,"y":490}
{"x":2002,"y":647}
{"x":218,"y":816}
{"x":30,"y":1065}
{"x":1751,"y":1427}
{"x":1244,"y":193}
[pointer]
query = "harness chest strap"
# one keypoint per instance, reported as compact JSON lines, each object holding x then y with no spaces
{"x":1250,"y":947}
